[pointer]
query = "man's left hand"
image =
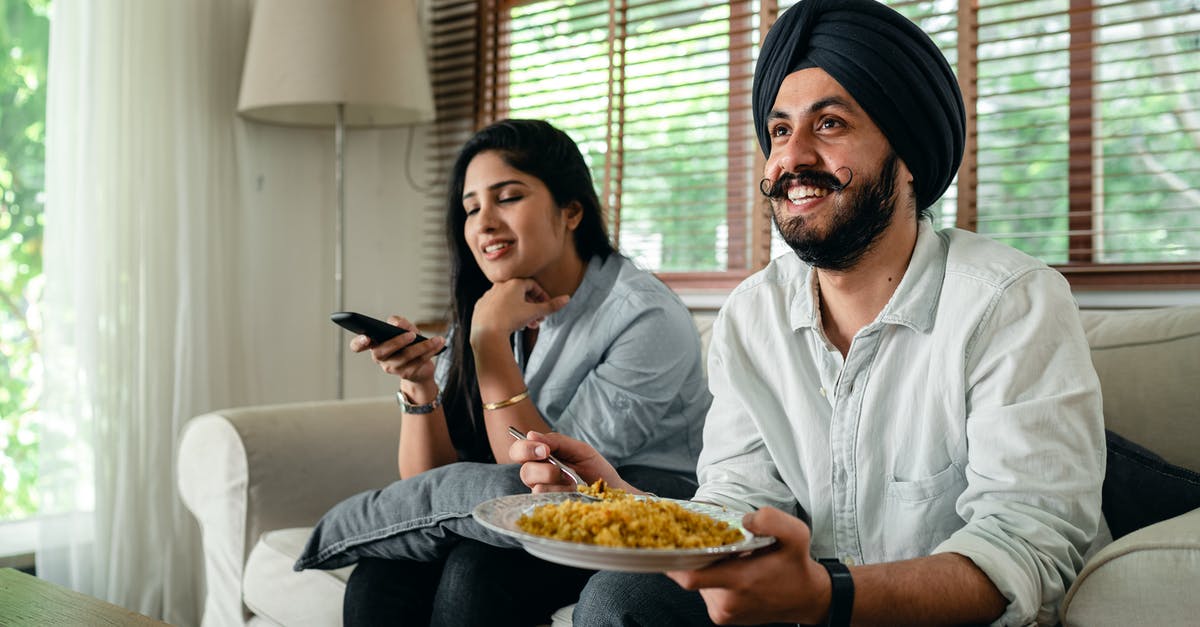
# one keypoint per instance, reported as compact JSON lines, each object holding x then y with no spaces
{"x":781,"y":583}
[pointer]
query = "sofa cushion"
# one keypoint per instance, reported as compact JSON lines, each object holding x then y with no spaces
{"x":1146,"y":578}
{"x":1140,"y":488}
{"x":276,"y":592}
{"x":1148,"y":361}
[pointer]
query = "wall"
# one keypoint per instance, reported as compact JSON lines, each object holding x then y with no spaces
{"x":288,"y":192}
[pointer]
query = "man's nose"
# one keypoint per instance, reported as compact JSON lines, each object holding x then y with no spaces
{"x":797,"y":154}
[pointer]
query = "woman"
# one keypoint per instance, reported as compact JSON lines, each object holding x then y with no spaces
{"x":551,"y":329}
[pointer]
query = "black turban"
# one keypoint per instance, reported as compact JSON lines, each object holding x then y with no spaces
{"x":888,"y":65}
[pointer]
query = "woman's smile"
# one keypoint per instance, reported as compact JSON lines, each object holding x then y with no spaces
{"x":495,"y":249}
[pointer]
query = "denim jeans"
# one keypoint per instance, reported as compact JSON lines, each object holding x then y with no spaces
{"x":419,"y":518}
{"x":612,"y":599}
{"x":476,"y":584}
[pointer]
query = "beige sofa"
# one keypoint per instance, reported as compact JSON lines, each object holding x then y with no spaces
{"x":258,"y":478}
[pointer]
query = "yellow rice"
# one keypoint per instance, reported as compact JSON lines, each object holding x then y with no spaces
{"x":621,"y":520}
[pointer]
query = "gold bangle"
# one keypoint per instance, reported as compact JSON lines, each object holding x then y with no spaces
{"x":507,"y":402}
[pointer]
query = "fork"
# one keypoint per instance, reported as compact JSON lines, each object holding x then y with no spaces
{"x":567,"y":470}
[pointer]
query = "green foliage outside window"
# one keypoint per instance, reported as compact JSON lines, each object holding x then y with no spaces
{"x":24,"y":43}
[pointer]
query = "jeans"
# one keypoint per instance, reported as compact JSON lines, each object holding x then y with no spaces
{"x":476,"y":584}
{"x":612,"y":599}
{"x":419,"y":518}
{"x":423,"y":560}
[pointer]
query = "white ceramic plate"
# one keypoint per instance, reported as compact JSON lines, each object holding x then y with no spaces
{"x":501,"y":514}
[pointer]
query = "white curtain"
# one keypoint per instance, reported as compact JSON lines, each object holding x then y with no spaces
{"x":188,"y":263}
{"x":142,"y":249}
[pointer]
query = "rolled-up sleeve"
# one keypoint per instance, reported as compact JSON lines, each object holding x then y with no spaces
{"x":1036,"y":448}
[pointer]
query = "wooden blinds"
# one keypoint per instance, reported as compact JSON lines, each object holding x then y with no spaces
{"x":1083,"y":123}
{"x":1088,"y":118}
{"x":455,"y":71}
{"x":656,"y":93}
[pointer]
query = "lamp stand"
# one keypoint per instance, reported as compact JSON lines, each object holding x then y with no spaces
{"x":339,"y":291}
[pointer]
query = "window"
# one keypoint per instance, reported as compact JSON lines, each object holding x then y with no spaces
{"x":1083,"y":116}
{"x":1088,"y":118}
{"x":657,"y":95}
{"x":24,"y":43}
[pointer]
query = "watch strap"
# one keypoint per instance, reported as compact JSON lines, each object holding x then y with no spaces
{"x":410,"y":408}
{"x":841,"y":597}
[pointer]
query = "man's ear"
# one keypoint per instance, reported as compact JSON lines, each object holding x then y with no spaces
{"x":573,"y":214}
{"x":905,"y":174}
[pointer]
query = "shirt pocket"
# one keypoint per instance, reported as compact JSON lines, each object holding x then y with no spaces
{"x":919,"y":514}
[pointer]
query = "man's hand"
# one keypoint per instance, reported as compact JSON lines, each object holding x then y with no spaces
{"x":511,"y":305}
{"x":780,"y":583}
{"x":541,"y":476}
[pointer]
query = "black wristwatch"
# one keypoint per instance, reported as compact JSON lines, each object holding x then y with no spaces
{"x":841,"y":601}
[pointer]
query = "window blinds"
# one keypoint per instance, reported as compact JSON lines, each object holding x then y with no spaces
{"x":454,"y":69}
{"x":1083,"y":119}
{"x":656,"y":93}
{"x":1088,"y":123}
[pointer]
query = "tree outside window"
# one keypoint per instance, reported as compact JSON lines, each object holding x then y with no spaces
{"x":24,"y":42}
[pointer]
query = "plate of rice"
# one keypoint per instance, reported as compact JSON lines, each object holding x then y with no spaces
{"x":622,"y":532}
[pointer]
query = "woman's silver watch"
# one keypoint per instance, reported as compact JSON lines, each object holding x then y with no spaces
{"x":409,"y":408}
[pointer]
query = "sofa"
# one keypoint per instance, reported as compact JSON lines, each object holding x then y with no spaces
{"x":258,"y":478}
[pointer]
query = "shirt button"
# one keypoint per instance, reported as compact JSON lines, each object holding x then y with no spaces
{"x":822,"y":391}
{"x":849,"y":561}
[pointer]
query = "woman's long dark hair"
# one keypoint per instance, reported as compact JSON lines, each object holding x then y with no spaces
{"x":540,"y":150}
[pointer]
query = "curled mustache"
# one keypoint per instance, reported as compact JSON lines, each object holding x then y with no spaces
{"x":815,"y":178}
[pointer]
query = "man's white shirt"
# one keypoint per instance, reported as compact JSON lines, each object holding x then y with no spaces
{"x":966,"y":418}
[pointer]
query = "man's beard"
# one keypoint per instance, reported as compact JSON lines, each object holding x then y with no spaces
{"x":856,"y":222}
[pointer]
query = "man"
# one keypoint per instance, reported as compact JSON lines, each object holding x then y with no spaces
{"x":926,"y":397}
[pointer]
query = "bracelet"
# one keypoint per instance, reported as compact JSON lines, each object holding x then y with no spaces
{"x":409,"y":408}
{"x":507,"y":402}
{"x":841,"y":595}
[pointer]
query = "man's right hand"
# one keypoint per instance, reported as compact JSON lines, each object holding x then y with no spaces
{"x":542,"y":476}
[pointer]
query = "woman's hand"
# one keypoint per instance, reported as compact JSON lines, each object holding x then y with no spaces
{"x":511,"y":305}
{"x":542,"y":476}
{"x":400,"y":356}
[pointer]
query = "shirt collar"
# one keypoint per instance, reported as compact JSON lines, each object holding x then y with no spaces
{"x":914,"y":304}
{"x":916,"y":299}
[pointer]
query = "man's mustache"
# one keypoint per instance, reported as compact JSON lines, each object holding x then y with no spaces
{"x":777,"y":190}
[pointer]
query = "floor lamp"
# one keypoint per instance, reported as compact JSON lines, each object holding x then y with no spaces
{"x":322,"y":63}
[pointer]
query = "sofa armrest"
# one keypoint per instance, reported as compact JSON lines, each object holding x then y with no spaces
{"x":245,"y":471}
{"x":1149,"y":577}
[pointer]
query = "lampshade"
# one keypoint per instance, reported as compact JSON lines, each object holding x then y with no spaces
{"x":305,"y":57}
